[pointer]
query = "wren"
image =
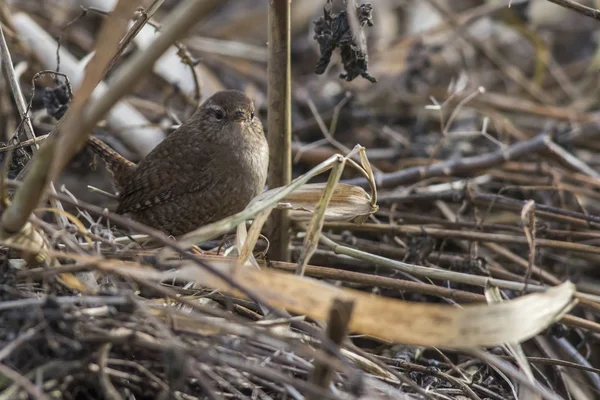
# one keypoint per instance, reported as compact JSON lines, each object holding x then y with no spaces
{"x":206,"y":170}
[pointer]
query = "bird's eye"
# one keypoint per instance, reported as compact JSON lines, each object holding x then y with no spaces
{"x":252,"y":115}
{"x":219,"y":114}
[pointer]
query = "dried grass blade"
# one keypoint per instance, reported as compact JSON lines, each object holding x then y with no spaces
{"x":263,"y":201}
{"x":113,"y":30}
{"x":364,"y":162}
{"x":258,"y":204}
{"x":250,"y":241}
{"x":311,"y":241}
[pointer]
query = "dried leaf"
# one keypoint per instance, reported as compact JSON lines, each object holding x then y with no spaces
{"x":348,"y":203}
{"x":493,"y":295}
{"x":399,"y":321}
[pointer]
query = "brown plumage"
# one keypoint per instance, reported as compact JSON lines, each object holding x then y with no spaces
{"x":209,"y":168}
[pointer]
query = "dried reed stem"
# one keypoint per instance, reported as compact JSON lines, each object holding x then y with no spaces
{"x":279,"y":121}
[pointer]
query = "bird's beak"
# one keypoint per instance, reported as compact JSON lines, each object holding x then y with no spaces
{"x":240,"y":116}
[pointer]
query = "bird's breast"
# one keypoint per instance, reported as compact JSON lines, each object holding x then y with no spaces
{"x":256,"y":160}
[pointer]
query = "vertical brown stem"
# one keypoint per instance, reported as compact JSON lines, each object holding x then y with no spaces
{"x":337,"y":330}
{"x":279,"y":121}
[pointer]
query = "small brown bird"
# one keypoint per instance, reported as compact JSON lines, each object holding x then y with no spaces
{"x":206,"y":170}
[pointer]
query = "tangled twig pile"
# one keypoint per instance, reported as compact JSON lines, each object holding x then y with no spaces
{"x":453,"y":256}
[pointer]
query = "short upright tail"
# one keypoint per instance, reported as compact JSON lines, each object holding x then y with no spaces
{"x":118,"y":166}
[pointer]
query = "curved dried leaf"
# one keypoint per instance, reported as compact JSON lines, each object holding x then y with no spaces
{"x":348,"y":203}
{"x":419,"y":324}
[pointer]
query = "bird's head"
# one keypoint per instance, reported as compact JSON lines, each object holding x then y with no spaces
{"x":230,"y":110}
